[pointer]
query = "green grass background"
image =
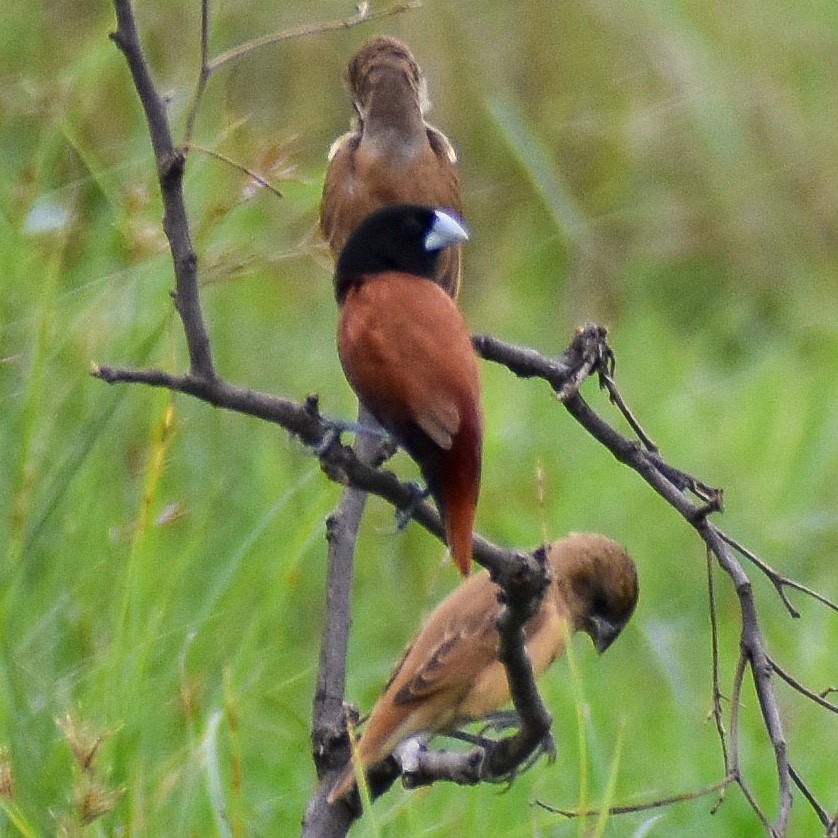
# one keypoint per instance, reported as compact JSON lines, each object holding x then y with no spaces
{"x":668,"y":169}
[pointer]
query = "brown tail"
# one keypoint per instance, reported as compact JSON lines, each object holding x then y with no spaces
{"x":460,"y":479}
{"x":459,"y":520}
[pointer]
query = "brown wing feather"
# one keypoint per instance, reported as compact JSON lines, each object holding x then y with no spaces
{"x":472,"y":643}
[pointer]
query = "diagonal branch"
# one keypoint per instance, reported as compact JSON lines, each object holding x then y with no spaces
{"x":672,"y":485}
{"x":779,"y":581}
{"x":795,"y":684}
{"x":362,"y":15}
{"x":822,"y":814}
{"x":338,"y":461}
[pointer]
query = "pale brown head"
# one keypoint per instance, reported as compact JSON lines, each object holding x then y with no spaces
{"x":384,"y":63}
{"x":597,"y":580}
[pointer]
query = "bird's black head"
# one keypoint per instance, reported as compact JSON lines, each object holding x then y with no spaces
{"x":399,"y":237}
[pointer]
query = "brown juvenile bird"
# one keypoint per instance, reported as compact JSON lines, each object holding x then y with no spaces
{"x":407,"y":353}
{"x":450,"y":673}
{"x":392,"y":156}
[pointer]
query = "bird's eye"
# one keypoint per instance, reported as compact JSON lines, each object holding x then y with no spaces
{"x":599,"y":605}
{"x":412,"y":226}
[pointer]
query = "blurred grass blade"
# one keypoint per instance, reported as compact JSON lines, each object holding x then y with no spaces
{"x":611,"y":787}
{"x":212,"y":768}
{"x":581,"y":729}
{"x":536,"y":162}
{"x":17,"y":820}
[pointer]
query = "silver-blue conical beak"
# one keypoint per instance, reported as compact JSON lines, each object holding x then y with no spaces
{"x":445,"y":231}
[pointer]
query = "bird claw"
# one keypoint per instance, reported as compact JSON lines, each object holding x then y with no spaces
{"x":336,"y":427}
{"x":329,"y":438}
{"x":497,"y":723}
{"x":546,"y":746}
{"x":405,"y":513}
{"x":500,"y":721}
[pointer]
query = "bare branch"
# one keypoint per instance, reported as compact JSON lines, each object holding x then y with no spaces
{"x":521,"y":597}
{"x":822,"y":814}
{"x":718,"y":716}
{"x":203,"y":76}
{"x":329,"y":735}
{"x":588,"y":352}
{"x":629,"y":808}
{"x":170,"y":165}
{"x":238,"y":166}
{"x":521,"y":575}
{"x":736,"y":704}
{"x":363,"y":15}
{"x":793,"y":682}
{"x":779,"y":581}
{"x":670,"y":484}
{"x":607,"y":381}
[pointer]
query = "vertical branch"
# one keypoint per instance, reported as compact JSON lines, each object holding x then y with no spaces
{"x":329,"y":735}
{"x":521,"y":599}
{"x":170,"y":165}
{"x":717,"y":693}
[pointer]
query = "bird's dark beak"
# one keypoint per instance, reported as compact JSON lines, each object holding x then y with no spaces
{"x":603,"y":633}
{"x":445,"y":231}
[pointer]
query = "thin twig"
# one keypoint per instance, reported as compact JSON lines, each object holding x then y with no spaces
{"x":735,"y":727}
{"x":363,"y":15}
{"x":203,"y":76}
{"x":779,"y":581}
{"x":822,"y":814}
{"x":630,"y":808}
{"x":714,"y":646}
{"x":793,"y":682}
{"x":238,"y":166}
{"x":607,"y":381}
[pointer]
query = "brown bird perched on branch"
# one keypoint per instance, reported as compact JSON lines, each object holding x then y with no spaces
{"x":450,"y":673}
{"x":392,"y":156}
{"x":407,"y":353}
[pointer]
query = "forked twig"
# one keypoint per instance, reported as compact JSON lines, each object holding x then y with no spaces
{"x":779,"y":581}
{"x":170,"y":163}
